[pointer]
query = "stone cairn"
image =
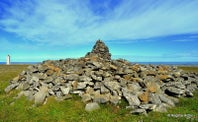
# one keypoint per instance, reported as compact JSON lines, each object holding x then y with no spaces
{"x":96,"y":78}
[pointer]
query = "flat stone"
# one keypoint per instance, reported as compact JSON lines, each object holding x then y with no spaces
{"x":84,"y":78}
{"x":148,"y":106}
{"x":40,"y":96}
{"x":132,"y":99}
{"x":10,"y":87}
{"x":139,"y":111}
{"x":154,"y":98}
{"x":165,"y":99}
{"x":112,"y":85}
{"x":81,"y":85}
{"x":92,"y":106}
{"x":174,"y":91}
{"x":72,"y":77}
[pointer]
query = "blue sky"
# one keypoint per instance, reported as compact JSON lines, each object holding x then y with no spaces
{"x":137,"y":30}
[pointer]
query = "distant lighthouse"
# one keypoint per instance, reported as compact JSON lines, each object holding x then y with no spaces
{"x":8,"y":60}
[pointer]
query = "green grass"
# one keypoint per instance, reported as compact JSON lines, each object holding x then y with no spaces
{"x":72,"y":110}
{"x":189,"y":69}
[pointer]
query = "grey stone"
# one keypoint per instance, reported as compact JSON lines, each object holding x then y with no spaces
{"x":161,"y":108}
{"x":10,"y":87}
{"x":81,"y":85}
{"x":112,"y":85}
{"x":65,"y":90}
{"x":40,"y":96}
{"x":188,"y":93}
{"x":72,"y":77}
{"x":115,"y":99}
{"x":35,"y":79}
{"x":148,"y":106}
{"x":96,"y":78}
{"x":132,"y":99}
{"x":50,"y":91}
{"x":104,"y":90}
{"x":165,"y":99}
{"x":101,"y":98}
{"x":58,"y":94}
{"x":86,"y":98}
{"x":139,"y":111}
{"x":133,"y":87}
{"x":92,"y":106}
{"x":174,"y":91}
{"x":84,"y":78}
{"x":97,"y":85}
{"x":154,"y":98}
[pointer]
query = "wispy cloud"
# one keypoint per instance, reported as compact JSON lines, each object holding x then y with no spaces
{"x":59,"y":22}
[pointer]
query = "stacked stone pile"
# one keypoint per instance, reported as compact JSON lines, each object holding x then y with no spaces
{"x":96,"y":78}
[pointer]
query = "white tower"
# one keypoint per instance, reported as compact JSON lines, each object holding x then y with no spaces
{"x":8,"y":60}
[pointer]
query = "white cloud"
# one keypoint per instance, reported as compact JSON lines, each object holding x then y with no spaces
{"x":59,"y":22}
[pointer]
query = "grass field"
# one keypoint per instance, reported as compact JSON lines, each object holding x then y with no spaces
{"x":72,"y":110}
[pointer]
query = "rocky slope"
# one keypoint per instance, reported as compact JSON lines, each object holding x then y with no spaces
{"x":96,"y":78}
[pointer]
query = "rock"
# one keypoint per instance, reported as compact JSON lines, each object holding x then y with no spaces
{"x":10,"y":87}
{"x":101,"y":98}
{"x":104,"y":90}
{"x":81,"y":85}
{"x":58,"y":94}
{"x":153,"y":87}
{"x":188,"y":93}
{"x":139,"y":111}
{"x":132,"y":99}
{"x":174,"y":91}
{"x":113,"y":67}
{"x":91,"y":107}
{"x":40,"y":96}
{"x":86,"y":98}
{"x":161,"y":108}
{"x":144,"y":97}
{"x":166,"y":100}
{"x":65,"y":90}
{"x":154,"y":99}
{"x":149,"y":107}
{"x":115,"y":99}
{"x":112,"y":85}
{"x":133,"y":87}
{"x":84,"y":78}
{"x":72,"y":77}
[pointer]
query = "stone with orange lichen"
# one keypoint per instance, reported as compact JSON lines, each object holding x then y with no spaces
{"x":152,"y":87}
{"x":136,"y":79}
{"x":144,"y":97}
{"x":136,"y":68}
{"x":127,"y":77}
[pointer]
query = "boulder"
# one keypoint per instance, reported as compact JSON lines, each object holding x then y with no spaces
{"x":40,"y":96}
{"x":92,"y":106}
